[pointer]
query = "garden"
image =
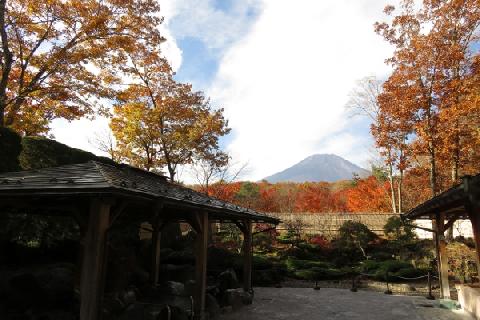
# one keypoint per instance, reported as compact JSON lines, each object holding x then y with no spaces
{"x":355,"y":256}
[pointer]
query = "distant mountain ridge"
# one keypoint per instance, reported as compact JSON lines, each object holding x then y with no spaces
{"x":319,"y":167}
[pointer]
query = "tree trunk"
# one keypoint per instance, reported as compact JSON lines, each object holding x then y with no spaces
{"x":172,"y":174}
{"x":400,"y":198}
{"x":2,"y":112}
{"x":390,"y":178}
{"x":455,"y":165}
{"x":433,"y":171}
{"x":7,"y":60}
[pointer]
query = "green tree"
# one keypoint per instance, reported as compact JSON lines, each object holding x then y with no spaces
{"x":248,"y":194}
{"x":353,"y":234}
{"x":395,"y":229}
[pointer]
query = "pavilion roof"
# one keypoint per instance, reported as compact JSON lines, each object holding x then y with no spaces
{"x":452,"y":202}
{"x":98,"y":178}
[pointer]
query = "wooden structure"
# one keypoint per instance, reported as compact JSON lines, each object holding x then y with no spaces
{"x":98,"y":194}
{"x":459,"y":202}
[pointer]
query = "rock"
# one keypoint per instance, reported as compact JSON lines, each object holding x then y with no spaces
{"x":212,"y":306}
{"x":24,"y":292}
{"x":227,"y":280}
{"x":128,"y":297}
{"x":247,"y":297}
{"x":140,"y":277}
{"x":58,"y":283}
{"x":113,"y":306}
{"x":175,"y":314}
{"x":175,"y":288}
{"x":233,"y":297}
{"x":179,"y":273}
{"x":133,"y":312}
{"x":227,"y":309}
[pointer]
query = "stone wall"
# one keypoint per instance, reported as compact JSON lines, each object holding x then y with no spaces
{"x":328,"y":224}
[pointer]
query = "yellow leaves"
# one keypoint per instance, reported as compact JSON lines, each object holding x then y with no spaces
{"x":159,"y":122}
{"x":427,"y":106}
{"x":52,"y":42}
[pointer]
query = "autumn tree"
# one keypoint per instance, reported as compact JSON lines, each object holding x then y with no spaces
{"x":369,"y":195}
{"x":160,"y":123}
{"x":58,"y":58}
{"x":105,"y":142}
{"x":364,"y":101}
{"x":432,"y":60}
{"x":217,"y":167}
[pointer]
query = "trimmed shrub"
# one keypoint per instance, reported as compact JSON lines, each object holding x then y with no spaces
{"x":317,"y":273}
{"x":10,"y":148}
{"x":409,"y":273}
{"x":39,"y":152}
{"x":297,"y":264}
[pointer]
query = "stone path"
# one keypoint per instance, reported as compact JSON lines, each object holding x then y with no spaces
{"x":340,"y":304}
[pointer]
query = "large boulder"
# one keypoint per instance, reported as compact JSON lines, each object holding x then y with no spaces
{"x":227,"y":280}
{"x":57,"y":281}
{"x":180,"y":273}
{"x":24,"y":292}
{"x":173,"y":288}
{"x":212,"y":306}
{"x":133,"y":312}
{"x":233,"y":297}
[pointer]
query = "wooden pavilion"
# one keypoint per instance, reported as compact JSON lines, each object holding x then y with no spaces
{"x":459,"y":202}
{"x":97,"y":194}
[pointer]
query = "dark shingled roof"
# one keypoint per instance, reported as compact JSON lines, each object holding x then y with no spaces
{"x":99,"y":178}
{"x":450,"y":202}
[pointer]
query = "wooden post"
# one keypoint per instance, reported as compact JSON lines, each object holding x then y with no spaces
{"x":442,"y":257}
{"x":200,"y":224}
{"x":91,"y":282}
{"x":473,"y":209}
{"x":475,"y":220}
{"x":155,"y":263}
{"x":247,"y":256}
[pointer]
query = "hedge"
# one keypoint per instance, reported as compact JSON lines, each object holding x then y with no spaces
{"x":40,"y":152}
{"x":10,"y":148}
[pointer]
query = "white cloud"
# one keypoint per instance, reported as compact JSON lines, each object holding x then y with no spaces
{"x":170,"y":48}
{"x":284,"y":80}
{"x":202,"y":20}
{"x":284,"y":86}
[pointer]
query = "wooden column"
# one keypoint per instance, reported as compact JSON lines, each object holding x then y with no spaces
{"x":91,"y":282}
{"x":200,"y":224}
{"x":473,"y":209}
{"x":474,"y":219}
{"x":156,"y":238}
{"x":247,"y":255}
{"x":442,"y":258}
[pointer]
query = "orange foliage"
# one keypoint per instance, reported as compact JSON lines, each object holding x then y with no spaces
{"x":367,"y":195}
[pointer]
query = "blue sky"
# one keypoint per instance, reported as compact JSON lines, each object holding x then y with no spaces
{"x":281,"y":69}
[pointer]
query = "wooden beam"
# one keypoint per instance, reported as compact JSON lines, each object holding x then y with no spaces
{"x":157,"y":225}
{"x":201,"y":264}
{"x":92,"y":277}
{"x":450,"y":223}
{"x":442,"y":258}
{"x":247,"y":256}
{"x":117,"y":211}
